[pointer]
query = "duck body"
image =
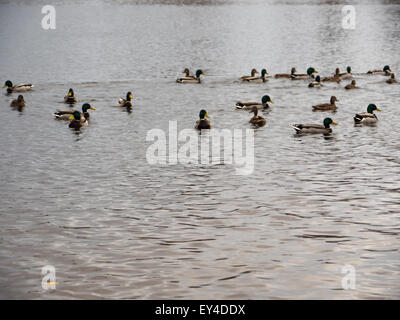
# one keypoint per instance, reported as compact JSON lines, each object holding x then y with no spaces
{"x":334,"y":78}
{"x":326,"y":106}
{"x":203,"y":123}
{"x":187,"y":76}
{"x":257,"y":120}
{"x":77,"y":121}
{"x":253,"y":75}
{"x":70,"y":97}
{"x":248,"y":105}
{"x":391,"y":80}
{"x":346,"y":75}
{"x":285,"y":75}
{"x":66,"y":114}
{"x":18,"y":103}
{"x":315,"y":128}
{"x":257,"y":79}
{"x":316,"y":83}
{"x":368,"y":117}
{"x":309,"y":75}
{"x":127,"y":102}
{"x":351,"y":86}
{"x":17,"y":88}
{"x":190,"y":79}
{"x":386,"y":71}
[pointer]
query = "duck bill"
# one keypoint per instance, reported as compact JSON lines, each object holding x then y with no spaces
{"x":204,"y":74}
{"x":4,"y":86}
{"x":70,"y":94}
{"x":271,"y":101}
{"x":390,"y":70}
{"x":377,"y":109}
{"x":71,"y":117}
{"x":91,"y":108}
{"x":130,"y":96}
{"x":206,"y":115}
{"x":335,"y":123}
{"x":315,"y":71}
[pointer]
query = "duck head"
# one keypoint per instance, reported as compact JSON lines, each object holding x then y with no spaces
{"x":203,"y":113}
{"x":372,"y":107}
{"x":328,"y":122}
{"x":311,"y":70}
{"x":265,"y":99}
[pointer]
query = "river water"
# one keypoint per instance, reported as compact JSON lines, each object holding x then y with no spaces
{"x":114,"y":226}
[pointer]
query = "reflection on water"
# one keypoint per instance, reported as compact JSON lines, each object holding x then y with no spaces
{"x":115,"y":227}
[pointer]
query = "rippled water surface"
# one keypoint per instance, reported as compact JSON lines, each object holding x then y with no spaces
{"x":114,"y":226}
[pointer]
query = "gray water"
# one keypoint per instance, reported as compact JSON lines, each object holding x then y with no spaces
{"x":115,"y":227}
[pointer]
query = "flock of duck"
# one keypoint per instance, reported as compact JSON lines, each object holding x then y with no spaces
{"x":360,"y":118}
{"x":80,"y":119}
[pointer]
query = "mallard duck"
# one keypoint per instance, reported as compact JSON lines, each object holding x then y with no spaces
{"x":18,"y":103}
{"x":257,"y":120}
{"x":70,"y":97}
{"x":310,"y":72}
{"x":253,"y":75}
{"x":315,"y":128}
{"x":316,"y":83}
{"x":66,"y":114}
{"x":127,"y":103}
{"x":392,"y":79}
{"x":352,"y":85}
{"x":187,"y":76}
{"x":327,"y":106}
{"x":17,"y":88}
{"x":385,"y":71}
{"x":203,"y":123}
{"x":346,"y":75}
{"x":285,"y":75}
{"x":248,"y":105}
{"x":77,"y":121}
{"x":334,"y":78}
{"x":194,"y":80}
{"x":258,"y":79}
{"x":369,"y":117}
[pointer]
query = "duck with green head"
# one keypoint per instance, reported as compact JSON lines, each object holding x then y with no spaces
{"x":257,"y":120}
{"x":386,"y":71}
{"x":253,"y":75}
{"x":258,"y":79}
{"x":315,"y":128}
{"x":310,"y":74}
{"x":127,"y":102}
{"x":194,"y":80}
{"x":18,"y":88}
{"x":77,"y":121}
{"x":70,"y":97}
{"x":346,"y":75}
{"x":286,"y":75}
{"x":18,"y":103}
{"x":203,"y":123}
{"x":316,"y":83}
{"x":248,"y":105}
{"x":369,"y":117}
{"x":326,"y":106}
{"x":66,"y":114}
